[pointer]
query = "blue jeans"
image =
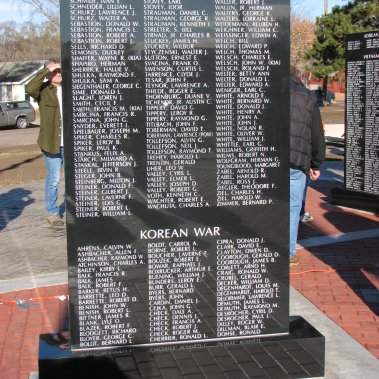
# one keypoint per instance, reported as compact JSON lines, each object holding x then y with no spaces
{"x":54,"y":163}
{"x":307,"y":183}
{"x":297,"y":186}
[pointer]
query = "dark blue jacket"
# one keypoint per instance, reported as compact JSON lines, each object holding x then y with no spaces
{"x":307,"y":141}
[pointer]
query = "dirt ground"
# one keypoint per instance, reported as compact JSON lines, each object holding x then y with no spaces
{"x":20,"y":164}
{"x":23,"y":163}
{"x":333,"y":114}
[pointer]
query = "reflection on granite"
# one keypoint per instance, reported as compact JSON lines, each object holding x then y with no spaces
{"x":301,"y":354}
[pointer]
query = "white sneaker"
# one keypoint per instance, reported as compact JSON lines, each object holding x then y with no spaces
{"x":306,"y":217}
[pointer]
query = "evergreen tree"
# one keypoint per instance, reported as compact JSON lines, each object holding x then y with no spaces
{"x":327,"y":54}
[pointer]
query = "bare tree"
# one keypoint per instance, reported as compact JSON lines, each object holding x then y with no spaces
{"x":8,"y":41}
{"x":37,"y":38}
{"x":30,"y":41}
{"x":302,"y":37}
{"x":49,"y":9}
{"x":302,"y":33}
{"x":44,"y":38}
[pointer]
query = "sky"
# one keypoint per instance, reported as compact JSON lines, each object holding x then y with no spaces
{"x":11,"y":10}
{"x":313,"y":8}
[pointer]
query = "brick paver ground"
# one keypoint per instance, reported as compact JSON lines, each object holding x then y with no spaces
{"x":341,"y":279}
{"x":328,"y":219}
{"x":45,"y":311}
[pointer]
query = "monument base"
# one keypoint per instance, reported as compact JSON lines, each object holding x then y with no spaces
{"x":354,"y":199}
{"x":301,"y":354}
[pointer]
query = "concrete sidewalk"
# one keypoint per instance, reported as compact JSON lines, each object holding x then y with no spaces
{"x":334,"y":133}
{"x":335,"y":287}
{"x":29,"y":247}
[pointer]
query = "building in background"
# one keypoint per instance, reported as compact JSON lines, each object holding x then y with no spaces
{"x":13,"y":78}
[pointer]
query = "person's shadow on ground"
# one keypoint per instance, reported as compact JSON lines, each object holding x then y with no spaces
{"x":12,"y":204}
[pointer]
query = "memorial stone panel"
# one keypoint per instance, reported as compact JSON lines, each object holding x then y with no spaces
{"x":176,"y":130}
{"x":362,"y":93}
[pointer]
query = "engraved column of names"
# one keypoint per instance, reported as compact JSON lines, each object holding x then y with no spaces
{"x":246,"y":294}
{"x":372,"y":129}
{"x":102,"y":33}
{"x":355,"y":121}
{"x":175,"y":270}
{"x":176,"y":139}
{"x":243,"y":68}
{"x":104,"y":300}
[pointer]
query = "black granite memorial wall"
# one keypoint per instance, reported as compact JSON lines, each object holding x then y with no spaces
{"x":176,"y":129}
{"x":361,"y":123}
{"x":362,"y":93}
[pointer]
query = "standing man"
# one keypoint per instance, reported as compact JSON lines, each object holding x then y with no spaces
{"x":46,"y":89}
{"x":307,"y":150}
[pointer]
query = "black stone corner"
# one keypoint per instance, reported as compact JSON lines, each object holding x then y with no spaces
{"x":354,"y":199}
